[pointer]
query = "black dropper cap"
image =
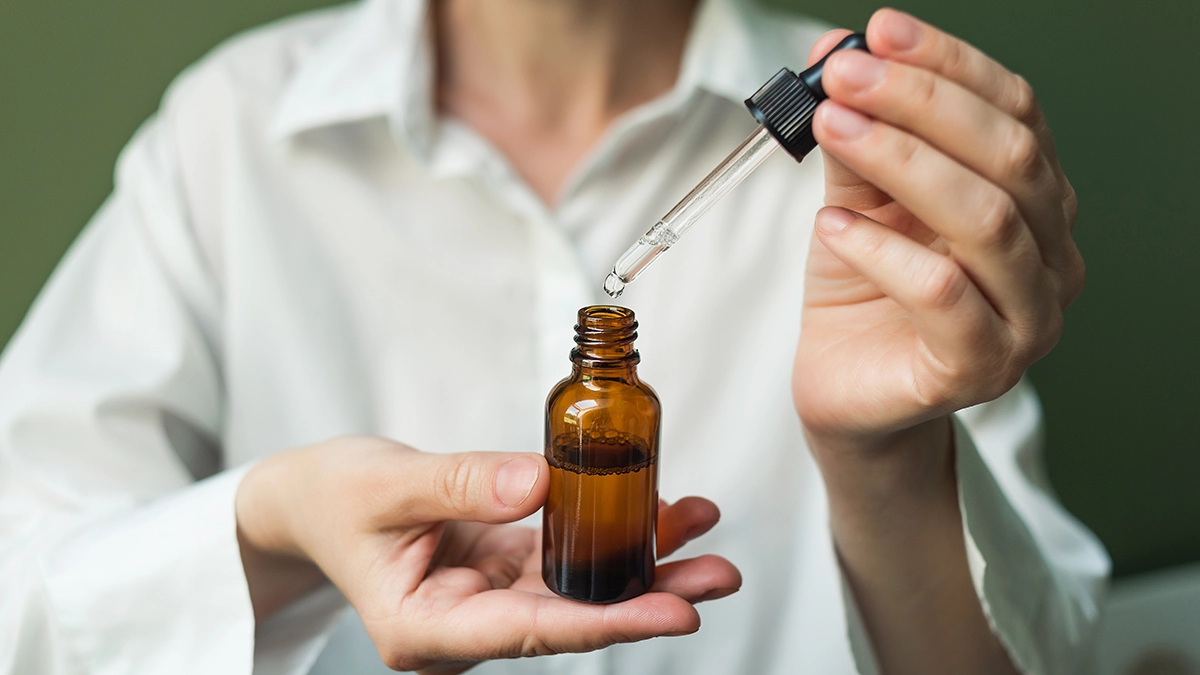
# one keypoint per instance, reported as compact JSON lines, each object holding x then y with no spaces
{"x":786,"y":103}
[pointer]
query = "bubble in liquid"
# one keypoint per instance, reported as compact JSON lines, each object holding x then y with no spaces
{"x":613,"y":285}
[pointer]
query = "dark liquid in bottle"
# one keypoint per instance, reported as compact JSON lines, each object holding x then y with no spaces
{"x":599,"y":534}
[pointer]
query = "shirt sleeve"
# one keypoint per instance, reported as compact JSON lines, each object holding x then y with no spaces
{"x":1040,"y":575}
{"x":118,"y":548}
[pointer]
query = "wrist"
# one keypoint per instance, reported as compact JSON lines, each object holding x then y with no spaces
{"x":259,"y":509}
{"x":276,"y":569}
{"x":898,"y":493}
{"x":912,"y":465}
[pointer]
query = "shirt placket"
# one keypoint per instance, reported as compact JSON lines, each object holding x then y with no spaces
{"x":560,"y":287}
{"x":556,"y":273}
{"x":559,"y":281}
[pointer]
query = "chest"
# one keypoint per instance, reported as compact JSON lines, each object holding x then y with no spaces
{"x":368,"y":293}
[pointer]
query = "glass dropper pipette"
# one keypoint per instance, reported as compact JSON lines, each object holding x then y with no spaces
{"x":784,"y":107}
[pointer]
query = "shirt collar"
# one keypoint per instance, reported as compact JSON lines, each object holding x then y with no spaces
{"x":735,"y":46}
{"x":371,"y":65}
{"x":379,"y":63}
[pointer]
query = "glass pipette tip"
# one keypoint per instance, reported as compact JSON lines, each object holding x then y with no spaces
{"x":739,"y":164}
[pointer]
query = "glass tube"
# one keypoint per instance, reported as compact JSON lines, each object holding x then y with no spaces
{"x":739,"y":164}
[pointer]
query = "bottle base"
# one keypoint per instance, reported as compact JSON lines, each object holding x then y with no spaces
{"x":598,"y":592}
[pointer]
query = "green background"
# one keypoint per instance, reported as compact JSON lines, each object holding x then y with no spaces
{"x":1117,"y":78}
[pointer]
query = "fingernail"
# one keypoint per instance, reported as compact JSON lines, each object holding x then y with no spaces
{"x":900,"y":30}
{"x":717,"y":594}
{"x":858,"y":69}
{"x":843,"y":122}
{"x":834,"y":220}
{"x":515,"y":480}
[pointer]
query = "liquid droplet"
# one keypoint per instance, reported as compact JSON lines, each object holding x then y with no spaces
{"x":613,"y":285}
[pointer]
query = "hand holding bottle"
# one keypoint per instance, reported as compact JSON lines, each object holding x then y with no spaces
{"x":416,"y":543}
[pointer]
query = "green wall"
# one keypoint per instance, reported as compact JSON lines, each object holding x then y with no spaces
{"x":1118,"y":79}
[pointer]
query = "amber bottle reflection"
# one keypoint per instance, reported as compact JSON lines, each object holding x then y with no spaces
{"x":602,"y":446}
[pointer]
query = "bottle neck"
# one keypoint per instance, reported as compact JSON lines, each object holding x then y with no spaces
{"x":625,"y":373}
{"x":604,"y":341}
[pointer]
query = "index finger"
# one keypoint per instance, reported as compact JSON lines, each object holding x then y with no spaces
{"x":825,"y":43}
{"x":683,"y":521}
{"x":901,"y":37}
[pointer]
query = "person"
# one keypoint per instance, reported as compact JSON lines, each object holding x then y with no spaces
{"x":299,"y":357}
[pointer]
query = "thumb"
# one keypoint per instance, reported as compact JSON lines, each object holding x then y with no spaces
{"x":843,"y":187}
{"x":826,"y":42}
{"x":488,"y":487}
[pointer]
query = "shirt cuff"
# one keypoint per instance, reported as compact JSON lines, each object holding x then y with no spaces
{"x":161,"y":589}
{"x":158,"y":589}
{"x":1042,"y":612}
{"x":290,"y":641}
{"x":1039,"y":587}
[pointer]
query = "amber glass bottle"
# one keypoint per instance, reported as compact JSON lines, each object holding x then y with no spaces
{"x":602,"y":447}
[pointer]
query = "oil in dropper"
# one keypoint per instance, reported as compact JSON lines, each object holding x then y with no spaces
{"x":613,"y":285}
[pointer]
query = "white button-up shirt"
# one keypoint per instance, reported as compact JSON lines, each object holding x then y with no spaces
{"x":299,"y":247}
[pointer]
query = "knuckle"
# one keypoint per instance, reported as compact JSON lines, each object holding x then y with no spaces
{"x":925,"y":90}
{"x":942,"y":285}
{"x":1035,"y":338}
{"x":907,"y":151}
{"x":998,"y":221}
{"x":534,"y":645}
{"x":1049,"y":334}
{"x":455,"y":478}
{"x":931,"y":396}
{"x":1070,"y":204}
{"x":1024,"y":157}
{"x":988,"y":368}
{"x":999,"y":374}
{"x":942,"y":386}
{"x":971,"y":375}
{"x":957,"y":59}
{"x":872,"y":243}
{"x":1024,"y":104}
{"x":982,"y":332}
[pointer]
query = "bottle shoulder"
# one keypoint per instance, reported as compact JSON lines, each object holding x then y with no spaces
{"x":583,"y":395}
{"x":647,"y":389}
{"x":602,"y":387}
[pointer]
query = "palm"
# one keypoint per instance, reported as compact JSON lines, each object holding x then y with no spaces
{"x":485,"y":582}
{"x":856,"y":336}
{"x":895,"y":333}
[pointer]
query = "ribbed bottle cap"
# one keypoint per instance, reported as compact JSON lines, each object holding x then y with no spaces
{"x":786,"y":103}
{"x":785,"y":106}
